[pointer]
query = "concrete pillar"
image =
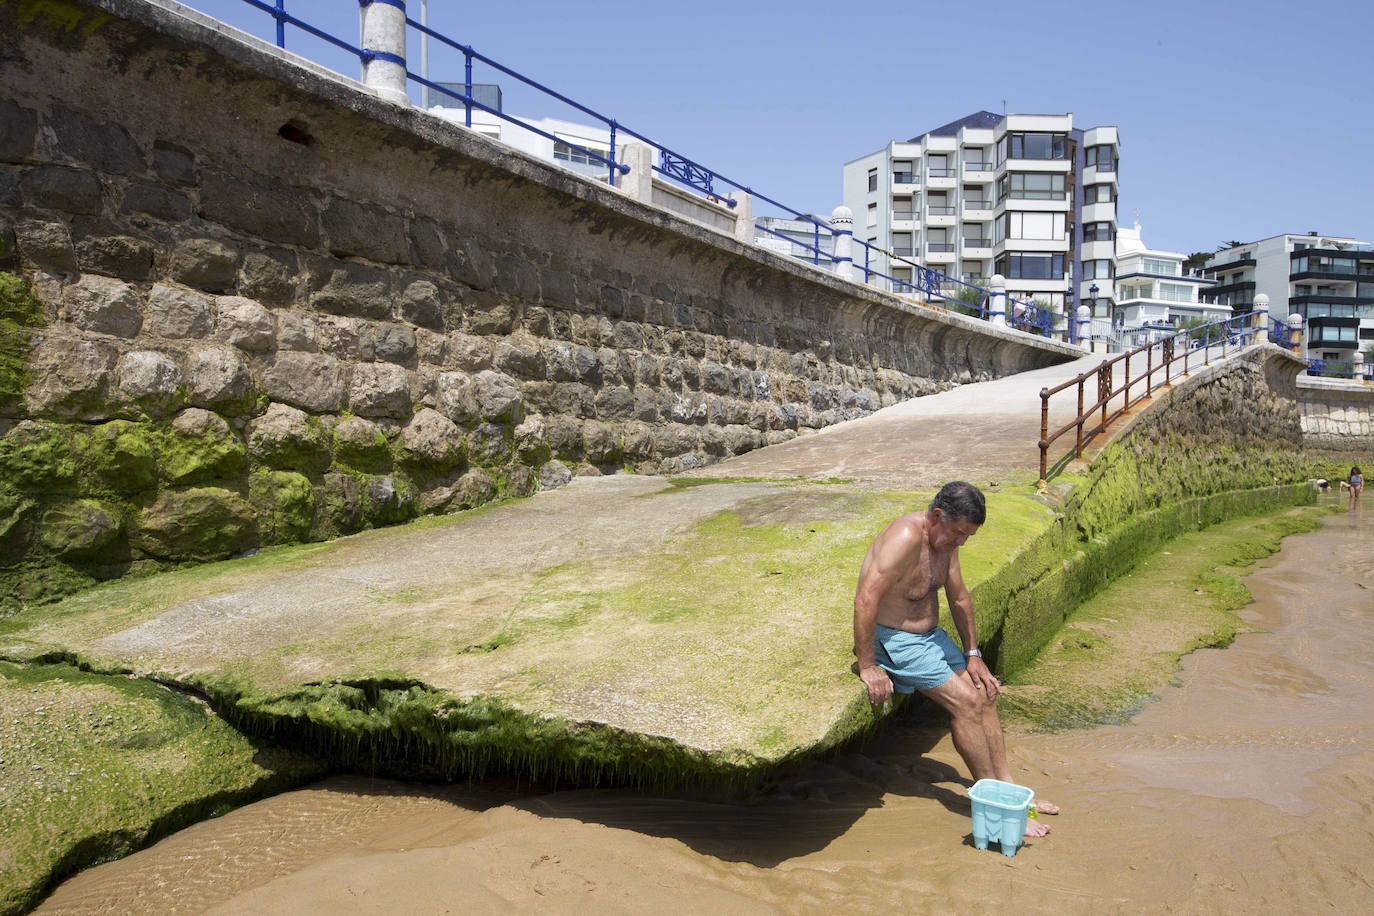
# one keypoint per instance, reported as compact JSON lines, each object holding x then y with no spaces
{"x":842,"y":221}
{"x":639,"y":181}
{"x":1359,"y":371}
{"x":997,"y":302}
{"x":1085,"y":318}
{"x":744,"y":216}
{"x":383,"y":28}
{"x":1295,"y":331}
{"x":1262,"y":319}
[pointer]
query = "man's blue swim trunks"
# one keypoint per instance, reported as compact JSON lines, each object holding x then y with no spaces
{"x":916,"y":661}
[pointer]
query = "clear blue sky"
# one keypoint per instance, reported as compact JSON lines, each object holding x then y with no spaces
{"x":1238,"y":120}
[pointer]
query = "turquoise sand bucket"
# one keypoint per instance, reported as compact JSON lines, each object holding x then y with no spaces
{"x":999,"y":813}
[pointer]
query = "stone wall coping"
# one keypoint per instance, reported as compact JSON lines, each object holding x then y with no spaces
{"x":183,"y":24}
{"x":1341,"y":385}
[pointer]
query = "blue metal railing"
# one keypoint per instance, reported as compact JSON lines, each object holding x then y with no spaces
{"x":930,"y":282}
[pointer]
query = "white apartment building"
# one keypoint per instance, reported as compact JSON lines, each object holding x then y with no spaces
{"x":1155,"y":295}
{"x":1028,"y":196}
{"x":797,"y":238}
{"x":1328,"y":280}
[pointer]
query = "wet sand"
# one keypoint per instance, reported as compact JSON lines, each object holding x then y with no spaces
{"x":1246,"y":786}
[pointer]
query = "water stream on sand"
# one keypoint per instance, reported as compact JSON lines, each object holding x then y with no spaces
{"x":1248,"y":784}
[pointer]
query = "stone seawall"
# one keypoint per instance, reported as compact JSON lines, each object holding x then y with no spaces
{"x":1337,"y":415}
{"x":246,"y":302}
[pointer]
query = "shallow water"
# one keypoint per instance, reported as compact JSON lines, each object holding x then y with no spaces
{"x":1246,"y":785}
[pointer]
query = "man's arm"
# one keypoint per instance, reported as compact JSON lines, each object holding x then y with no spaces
{"x":961,"y":609}
{"x":895,"y":549}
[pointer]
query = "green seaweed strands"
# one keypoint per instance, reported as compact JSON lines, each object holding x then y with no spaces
{"x":407,"y":729}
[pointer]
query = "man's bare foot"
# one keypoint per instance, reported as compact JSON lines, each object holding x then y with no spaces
{"x":1046,"y":807}
{"x":1034,"y":828}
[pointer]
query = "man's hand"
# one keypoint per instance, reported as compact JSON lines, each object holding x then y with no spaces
{"x":982,"y":677}
{"x":878,"y":683}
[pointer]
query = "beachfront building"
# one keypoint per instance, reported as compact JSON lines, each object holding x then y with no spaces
{"x":797,"y":238}
{"x":1155,"y":294}
{"x":1328,"y":280}
{"x":1026,"y":196}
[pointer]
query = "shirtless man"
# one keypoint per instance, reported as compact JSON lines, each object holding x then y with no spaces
{"x":898,"y":640}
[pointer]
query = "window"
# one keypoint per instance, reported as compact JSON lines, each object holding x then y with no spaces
{"x":1159,"y":266}
{"x":1036,"y":146}
{"x":976,"y":159}
{"x":1018,"y":225}
{"x":571,"y":154}
{"x":901,"y":244}
{"x":1099,"y":232}
{"x":872,"y":179}
{"x":872,"y":215}
{"x":937,"y":166}
{"x":1175,"y":292}
{"x":1031,"y":267}
{"x":1099,"y":269}
{"x":901,"y":173}
{"x":901,"y":208}
{"x":1031,"y":186}
{"x":1099,"y":194}
{"x":1102,"y":157}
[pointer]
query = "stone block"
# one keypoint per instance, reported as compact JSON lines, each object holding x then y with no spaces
{"x":517,"y":277}
{"x":151,"y":198}
{"x":176,"y":313}
{"x":46,"y":245}
{"x":456,"y":396}
{"x":9,"y":188}
{"x":338,"y":505}
{"x":488,"y":313}
{"x":275,"y":213}
{"x":716,"y":378}
{"x":245,"y":324}
{"x":431,"y":439}
{"x":490,"y":444}
{"x":218,"y":377}
{"x":120,"y":256}
{"x":394,"y":343}
{"x":296,"y":331}
{"x":637,"y":441}
{"x":361,"y":443}
{"x":284,"y":437}
{"x":475,"y":488}
{"x":208,"y":264}
{"x":573,"y":399}
{"x":645,"y":405}
{"x":345,"y":338}
{"x":564,"y":434}
{"x":203,"y":448}
{"x":66,"y":191}
{"x":498,"y":396}
{"x":173,"y":163}
{"x":422,"y":305}
{"x":471,"y":265}
{"x":311,"y":381}
{"x":103,"y":305}
{"x":616,"y":403}
{"x":427,"y":247}
{"x":283,"y":505}
{"x":80,"y":527}
{"x":100,"y":144}
{"x":472,"y":354}
{"x":269,"y":276}
{"x":18,"y":128}
{"x":531,"y":440}
{"x":600,"y":442}
{"x":148,"y":380}
{"x":521,"y":358}
{"x":365,"y":231}
{"x":207,"y":523}
{"x":553,"y":475}
{"x":353,"y":290}
{"x":379,"y":390}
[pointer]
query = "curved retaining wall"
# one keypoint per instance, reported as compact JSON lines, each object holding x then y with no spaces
{"x":247,"y":302}
{"x":1337,"y":415}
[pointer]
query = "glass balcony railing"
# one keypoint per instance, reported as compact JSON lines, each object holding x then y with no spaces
{"x":977,"y":205}
{"x":939,"y":248}
{"x":978,"y":166}
{"x":905,"y":178}
{"x":940,"y":173}
{"x":904,"y":251}
{"x":903,"y":215}
{"x":940,"y":211}
{"x":977,"y":243}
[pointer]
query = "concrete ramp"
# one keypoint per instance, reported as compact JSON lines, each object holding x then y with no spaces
{"x":641,"y":626}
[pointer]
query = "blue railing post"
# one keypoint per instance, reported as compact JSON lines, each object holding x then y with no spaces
{"x":467,"y":83}
{"x":610,"y":166}
{"x":281,"y":23}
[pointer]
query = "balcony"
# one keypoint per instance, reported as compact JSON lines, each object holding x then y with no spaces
{"x":940,"y":211}
{"x":979,"y":244}
{"x":979,"y":167}
{"x":907,"y":178}
{"x":1229,"y":265}
{"x":1245,"y":286}
{"x":904,"y":251}
{"x":940,"y":248}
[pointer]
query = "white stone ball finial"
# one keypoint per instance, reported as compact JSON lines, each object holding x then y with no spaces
{"x":842,"y":214}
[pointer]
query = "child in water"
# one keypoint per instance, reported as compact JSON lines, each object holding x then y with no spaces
{"x":1355,"y":485}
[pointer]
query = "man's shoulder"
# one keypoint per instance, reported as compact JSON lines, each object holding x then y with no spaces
{"x":908,"y":528}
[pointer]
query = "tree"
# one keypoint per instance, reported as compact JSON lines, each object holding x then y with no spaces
{"x":1231,"y":244}
{"x":1197,"y":260}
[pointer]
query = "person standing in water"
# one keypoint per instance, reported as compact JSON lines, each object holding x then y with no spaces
{"x":900,"y":644}
{"x":1355,"y":485}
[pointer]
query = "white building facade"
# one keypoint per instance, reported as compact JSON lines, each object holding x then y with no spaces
{"x":1327,"y":280}
{"x":1155,"y":295}
{"x":1026,"y":196}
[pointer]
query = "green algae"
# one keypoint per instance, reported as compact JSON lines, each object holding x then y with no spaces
{"x":95,"y":766}
{"x":1122,"y":646}
{"x":20,"y":311}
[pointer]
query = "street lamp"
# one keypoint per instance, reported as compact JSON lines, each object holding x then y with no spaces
{"x":1092,"y":291}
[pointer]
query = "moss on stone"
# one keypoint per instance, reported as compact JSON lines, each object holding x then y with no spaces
{"x":123,"y":455}
{"x":202,"y":523}
{"x":39,"y":456}
{"x":20,"y":311}
{"x":94,"y":766}
{"x":284,"y":504}
{"x":213,"y":455}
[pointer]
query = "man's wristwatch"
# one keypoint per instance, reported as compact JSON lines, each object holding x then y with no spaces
{"x":973,"y":653}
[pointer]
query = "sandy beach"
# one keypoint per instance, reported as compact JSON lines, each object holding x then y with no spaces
{"x":1247,"y":786}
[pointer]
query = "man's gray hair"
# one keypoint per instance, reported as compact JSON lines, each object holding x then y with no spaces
{"x":960,"y":499}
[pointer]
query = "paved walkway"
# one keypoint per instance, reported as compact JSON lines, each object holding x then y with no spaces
{"x":622,"y":600}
